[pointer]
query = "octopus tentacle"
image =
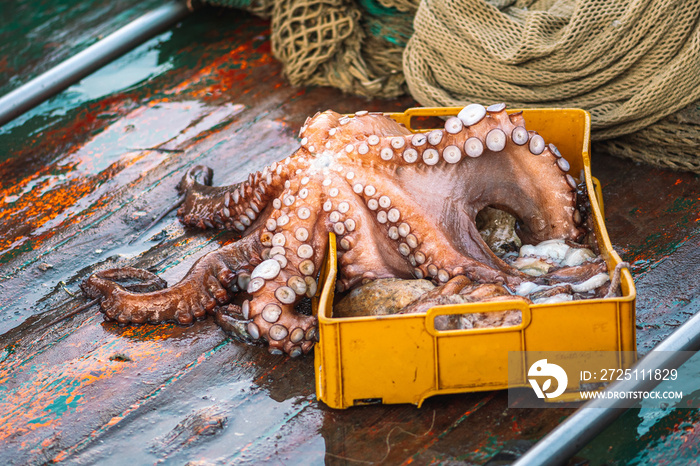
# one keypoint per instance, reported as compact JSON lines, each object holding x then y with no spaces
{"x":234,"y":207}
{"x":205,"y":286}
{"x":295,"y":240}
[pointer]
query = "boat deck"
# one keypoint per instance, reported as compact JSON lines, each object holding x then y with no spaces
{"x":84,"y":173}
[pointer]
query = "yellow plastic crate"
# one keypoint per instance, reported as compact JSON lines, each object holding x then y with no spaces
{"x":404,"y":359}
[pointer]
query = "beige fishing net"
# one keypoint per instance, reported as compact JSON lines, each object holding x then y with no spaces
{"x":634,"y":64}
{"x":321,"y":42}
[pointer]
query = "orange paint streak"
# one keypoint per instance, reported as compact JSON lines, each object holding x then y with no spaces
{"x":56,"y":389}
{"x":222,"y":74}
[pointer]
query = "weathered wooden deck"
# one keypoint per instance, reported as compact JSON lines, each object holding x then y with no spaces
{"x":83,"y":174}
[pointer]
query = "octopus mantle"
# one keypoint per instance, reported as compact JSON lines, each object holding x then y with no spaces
{"x":400,"y":204}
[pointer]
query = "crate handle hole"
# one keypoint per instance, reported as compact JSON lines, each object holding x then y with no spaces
{"x":478,"y":320}
{"x":367,"y":401}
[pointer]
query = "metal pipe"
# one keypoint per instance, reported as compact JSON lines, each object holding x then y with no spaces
{"x":92,"y":58}
{"x":592,"y":418}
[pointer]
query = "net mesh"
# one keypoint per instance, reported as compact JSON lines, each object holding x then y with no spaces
{"x":634,"y":64}
{"x":629,"y":63}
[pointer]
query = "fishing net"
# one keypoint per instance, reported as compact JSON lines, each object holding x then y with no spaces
{"x":634,"y":64}
{"x":353,"y":45}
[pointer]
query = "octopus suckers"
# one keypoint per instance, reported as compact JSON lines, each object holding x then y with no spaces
{"x":279,"y":239}
{"x":393,"y":215}
{"x":418,"y":139}
{"x":563,"y":164}
{"x":306,"y":267}
{"x":297,"y":284}
{"x":285,"y":295}
{"x":253,"y":330}
{"x":496,"y":140}
{"x":431,"y":157}
{"x":520,"y":135}
{"x":271,"y":313}
{"x":296,"y":336}
{"x":256,"y":284}
{"x":397,"y":142}
{"x":554,"y":150}
{"x":278,"y":332}
{"x":281,"y":259}
{"x":452,"y":154}
{"x":301,"y":234}
{"x":453,"y":125}
{"x":305,"y":251}
{"x":303,"y":213}
{"x":537,"y":144}
{"x":495,"y":108}
{"x":277,"y":250}
{"x":410,"y":155}
{"x":472,"y":114}
{"x":473,"y":147}
{"x":434,"y":137}
{"x":271,"y":224}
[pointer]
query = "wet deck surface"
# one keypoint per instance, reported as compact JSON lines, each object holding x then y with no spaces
{"x":84,"y":173}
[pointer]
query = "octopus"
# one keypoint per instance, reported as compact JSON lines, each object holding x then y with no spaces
{"x":400,"y":204}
